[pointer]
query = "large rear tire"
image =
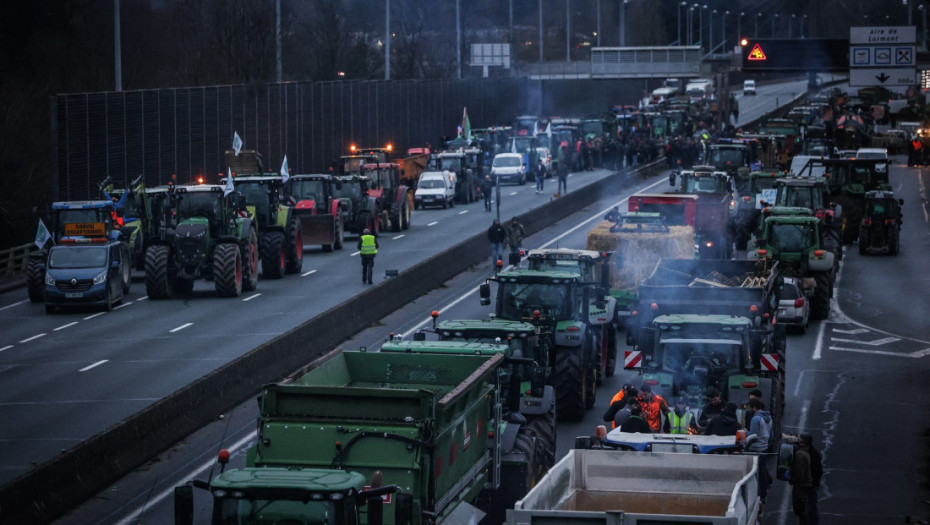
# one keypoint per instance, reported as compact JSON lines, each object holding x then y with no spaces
{"x":250,"y":263}
{"x":273,"y":255}
{"x":571,"y":380}
{"x":405,"y":216}
{"x":820,"y":302}
{"x":340,"y":235}
{"x":543,"y":427}
{"x":227,"y":270}
{"x":157,"y":281}
{"x":294,"y":239}
{"x":35,"y":280}
{"x":395,"y":216}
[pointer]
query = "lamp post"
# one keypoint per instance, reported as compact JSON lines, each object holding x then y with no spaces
{"x":598,"y":23}
{"x":803,"y":22}
{"x":622,"y":23}
{"x":923,"y":16}
{"x":755,"y":34}
{"x":690,"y":25}
{"x":791,"y":24}
{"x":679,"y":20}
{"x":568,"y":31}
{"x":540,"y":31}
{"x":723,"y":31}
{"x":701,"y":26}
{"x":739,"y":26}
{"x":710,"y":30}
{"x":774,"y":19}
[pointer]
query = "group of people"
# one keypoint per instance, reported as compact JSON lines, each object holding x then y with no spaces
{"x":513,"y":235}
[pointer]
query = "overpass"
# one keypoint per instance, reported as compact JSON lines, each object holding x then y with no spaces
{"x":625,"y":62}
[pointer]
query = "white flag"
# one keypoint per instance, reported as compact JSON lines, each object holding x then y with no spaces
{"x":42,"y":235}
{"x":237,"y":142}
{"x":229,"y":183}
{"x":513,"y":146}
{"x":549,"y":130}
{"x":284,"y":174}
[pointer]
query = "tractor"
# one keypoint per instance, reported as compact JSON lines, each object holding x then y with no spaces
{"x":880,"y":230}
{"x":322,"y":215}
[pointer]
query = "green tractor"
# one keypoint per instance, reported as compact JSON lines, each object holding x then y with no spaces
{"x":280,"y":237}
{"x":795,"y":239}
{"x":880,"y":231}
{"x":558,"y":302}
{"x":755,"y":193}
{"x":812,"y":193}
{"x":206,"y":235}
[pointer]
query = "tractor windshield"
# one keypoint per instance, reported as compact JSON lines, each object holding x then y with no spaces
{"x":453,"y":164}
{"x":520,"y":300}
{"x":308,"y":189}
{"x":587,"y":271}
{"x":235,"y":511}
{"x":199,"y":204}
{"x":798,"y":197}
{"x":791,"y":237}
{"x":726,"y":157}
{"x":877,"y":208}
{"x":71,"y":257}
{"x":697,"y":363}
{"x":701,"y":185}
{"x":349,"y":190}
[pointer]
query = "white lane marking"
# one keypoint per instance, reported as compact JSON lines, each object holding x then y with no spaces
{"x":249,"y":298}
{"x":144,"y":297}
{"x":398,"y":237}
{"x":7,"y":347}
{"x":463,"y":212}
{"x":851,"y":332}
{"x":597,"y":216}
{"x":12,"y":305}
{"x":308,"y":273}
{"x":877,"y":342}
{"x":124,"y":305}
{"x":89,"y":317}
{"x":434,"y":223}
{"x":514,"y":192}
{"x":62,"y":327}
{"x":182,"y":327}
{"x":98,"y":363}
{"x":354,"y":254}
{"x":818,"y":346}
{"x":917,"y":354}
{"x":33,"y":338}
{"x":133,"y":516}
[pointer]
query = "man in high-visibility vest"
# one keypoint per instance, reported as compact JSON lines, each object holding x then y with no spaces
{"x":368,"y":249}
{"x":681,"y":420}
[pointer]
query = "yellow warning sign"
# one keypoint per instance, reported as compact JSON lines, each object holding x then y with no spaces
{"x":85,"y":229}
{"x":756,"y":53}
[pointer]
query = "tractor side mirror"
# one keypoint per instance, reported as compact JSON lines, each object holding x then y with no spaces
{"x":484,"y":292}
{"x":671,"y":179}
{"x":901,"y":202}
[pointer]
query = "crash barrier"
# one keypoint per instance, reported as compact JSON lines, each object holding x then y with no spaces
{"x":62,"y":483}
{"x":13,"y":260}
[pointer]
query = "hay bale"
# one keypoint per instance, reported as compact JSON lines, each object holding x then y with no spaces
{"x":640,"y":251}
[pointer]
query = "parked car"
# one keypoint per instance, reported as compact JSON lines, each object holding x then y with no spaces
{"x":95,"y":274}
{"x":874,"y":154}
{"x":509,"y":167}
{"x":794,"y":307}
{"x":435,"y":188}
{"x":749,"y":87}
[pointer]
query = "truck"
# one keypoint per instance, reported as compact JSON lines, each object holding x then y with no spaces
{"x":615,"y":487}
{"x":558,"y":301}
{"x":209,"y":236}
{"x":709,"y":217}
{"x":708,"y":323}
{"x":429,"y":424}
{"x":320,"y":212}
{"x":716,"y":208}
{"x":280,"y":244}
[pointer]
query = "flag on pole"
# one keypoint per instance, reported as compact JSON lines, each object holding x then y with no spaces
{"x":549,"y":130}
{"x":42,"y":235}
{"x":284,"y":172}
{"x":513,"y":146}
{"x":230,"y":187}
{"x":237,"y":142}
{"x":466,"y":125}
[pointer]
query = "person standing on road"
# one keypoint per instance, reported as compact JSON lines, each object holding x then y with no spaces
{"x":368,"y":248}
{"x":802,"y":483}
{"x":515,"y":235}
{"x":496,"y":236}
{"x":816,"y":475}
{"x":487,"y":188}
{"x":654,"y":407}
{"x":760,"y":427}
{"x":563,"y":171}
{"x":540,"y":176}
{"x":724,"y":423}
{"x":619,"y":410}
{"x":713,"y":407}
{"x":681,"y":418}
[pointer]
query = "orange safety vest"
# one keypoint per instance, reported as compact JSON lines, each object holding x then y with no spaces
{"x":617,"y":397}
{"x":652,"y":410}
{"x":916,"y":144}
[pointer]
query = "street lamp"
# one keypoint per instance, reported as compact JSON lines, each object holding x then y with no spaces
{"x":923,"y":15}
{"x":701,"y":25}
{"x":755,"y":34}
{"x":803,"y":22}
{"x":739,"y":26}
{"x":710,"y":30}
{"x":622,"y":23}
{"x":723,"y":31}
{"x":791,"y":24}
{"x":774,"y":19}
{"x":679,"y":20}
{"x":690,"y":25}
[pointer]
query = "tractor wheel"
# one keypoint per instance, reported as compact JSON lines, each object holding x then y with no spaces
{"x":340,"y":235}
{"x":294,"y":239}
{"x":35,"y":280}
{"x":571,"y":380}
{"x":820,"y":303}
{"x":591,"y":386}
{"x":893,"y":246}
{"x":250,"y":262}
{"x":157,"y":281}
{"x":611,"y":335}
{"x":543,"y":426}
{"x":396,"y":211}
{"x":405,"y":217}
{"x":227,"y":270}
{"x":274,"y":258}
{"x":126,"y":277}
{"x":445,"y":204}
{"x":185,"y":286}
{"x":526,"y":445}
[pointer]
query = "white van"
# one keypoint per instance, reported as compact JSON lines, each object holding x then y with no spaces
{"x":509,"y":167}
{"x":435,"y":188}
{"x":874,"y":154}
{"x":749,"y":87}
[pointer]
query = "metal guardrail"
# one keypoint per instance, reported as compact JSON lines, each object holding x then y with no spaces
{"x":13,"y":260}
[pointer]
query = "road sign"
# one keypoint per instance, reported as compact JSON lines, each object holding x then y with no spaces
{"x":882,"y":56}
{"x":883,"y":35}
{"x":809,"y":54}
{"x":885,"y":76}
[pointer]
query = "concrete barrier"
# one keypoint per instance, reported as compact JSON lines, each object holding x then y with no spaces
{"x":54,"y":487}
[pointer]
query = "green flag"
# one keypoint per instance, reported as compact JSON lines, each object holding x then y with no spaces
{"x":466,"y":125}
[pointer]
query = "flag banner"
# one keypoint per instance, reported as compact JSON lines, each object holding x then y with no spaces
{"x":230,"y":187}
{"x":42,"y":235}
{"x":237,"y":142}
{"x":466,"y":124}
{"x":284,"y":171}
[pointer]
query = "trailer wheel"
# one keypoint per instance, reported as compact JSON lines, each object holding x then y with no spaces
{"x":820,"y":303}
{"x":227,"y":270}
{"x":294,"y":238}
{"x":35,"y":280}
{"x":571,"y":380}
{"x":157,"y":282}
{"x":273,"y":256}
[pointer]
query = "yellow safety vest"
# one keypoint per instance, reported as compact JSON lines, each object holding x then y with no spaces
{"x":368,"y":245}
{"x":680,"y":425}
